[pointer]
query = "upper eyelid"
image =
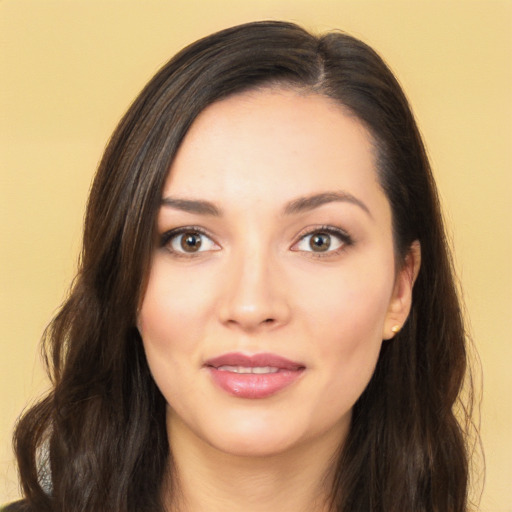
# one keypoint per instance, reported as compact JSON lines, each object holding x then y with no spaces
{"x":344,"y":237}
{"x":168,"y":234}
{"x":332,"y":230}
{"x":185,"y":229}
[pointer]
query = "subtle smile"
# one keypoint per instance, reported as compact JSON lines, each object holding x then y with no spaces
{"x":253,"y":376}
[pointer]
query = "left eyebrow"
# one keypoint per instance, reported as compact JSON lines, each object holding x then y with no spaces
{"x":307,"y":203}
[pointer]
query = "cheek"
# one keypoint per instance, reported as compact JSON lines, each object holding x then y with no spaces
{"x":171,"y":322}
{"x":344,"y":321}
{"x":350,"y":305}
{"x":170,"y":327}
{"x":174,"y":310}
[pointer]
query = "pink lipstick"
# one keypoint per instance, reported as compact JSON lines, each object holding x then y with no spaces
{"x":254,"y":376}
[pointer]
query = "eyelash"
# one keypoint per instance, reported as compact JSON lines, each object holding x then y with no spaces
{"x":167,"y":237}
{"x":344,"y":238}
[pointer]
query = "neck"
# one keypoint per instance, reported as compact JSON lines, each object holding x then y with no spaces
{"x":206,"y":479}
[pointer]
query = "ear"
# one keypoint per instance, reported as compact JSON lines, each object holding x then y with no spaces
{"x":401,"y":300}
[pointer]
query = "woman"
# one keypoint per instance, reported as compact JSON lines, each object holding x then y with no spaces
{"x":265,"y":316}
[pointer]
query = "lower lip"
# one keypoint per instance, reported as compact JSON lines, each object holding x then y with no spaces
{"x":254,"y":385}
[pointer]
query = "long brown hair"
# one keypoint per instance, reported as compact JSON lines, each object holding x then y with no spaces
{"x":99,"y":436}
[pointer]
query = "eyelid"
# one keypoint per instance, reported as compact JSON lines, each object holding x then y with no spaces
{"x":345,"y":239}
{"x":166,"y":237}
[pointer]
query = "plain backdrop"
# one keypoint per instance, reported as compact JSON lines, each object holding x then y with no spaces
{"x":69,"y":69}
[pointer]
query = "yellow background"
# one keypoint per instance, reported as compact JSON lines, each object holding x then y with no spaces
{"x":70,"y":68}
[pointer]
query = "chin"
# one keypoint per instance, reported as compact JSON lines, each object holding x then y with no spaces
{"x":257,"y":443}
{"x":253,"y":436}
{"x":257,"y":435}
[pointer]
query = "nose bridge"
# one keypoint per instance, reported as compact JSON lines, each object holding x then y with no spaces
{"x":254,"y":295}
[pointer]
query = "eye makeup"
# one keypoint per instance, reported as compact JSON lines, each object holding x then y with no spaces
{"x":322,"y":241}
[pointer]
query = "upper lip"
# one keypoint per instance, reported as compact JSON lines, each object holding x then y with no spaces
{"x":253,"y":361}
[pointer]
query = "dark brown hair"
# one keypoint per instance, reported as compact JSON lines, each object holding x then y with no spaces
{"x":100,"y":433}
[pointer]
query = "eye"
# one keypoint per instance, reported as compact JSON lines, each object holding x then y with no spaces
{"x":188,"y":241}
{"x":323,"y":240}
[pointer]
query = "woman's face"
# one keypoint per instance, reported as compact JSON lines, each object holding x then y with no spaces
{"x":273,"y":283}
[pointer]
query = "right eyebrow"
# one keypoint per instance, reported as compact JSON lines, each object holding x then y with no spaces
{"x":192,"y":206}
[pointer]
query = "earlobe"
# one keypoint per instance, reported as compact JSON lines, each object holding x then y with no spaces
{"x":401,"y":300}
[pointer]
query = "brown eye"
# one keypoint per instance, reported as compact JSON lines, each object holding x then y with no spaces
{"x":329,"y":240}
{"x":190,"y":242}
{"x":320,"y":242}
{"x":187,"y":241}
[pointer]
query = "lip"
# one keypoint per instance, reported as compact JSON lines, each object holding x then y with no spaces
{"x":282,"y":373}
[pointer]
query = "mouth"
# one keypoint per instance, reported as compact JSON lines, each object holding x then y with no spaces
{"x":253,"y":376}
{"x":244,"y":369}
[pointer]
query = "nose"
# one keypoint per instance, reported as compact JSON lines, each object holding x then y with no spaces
{"x":255,"y":294}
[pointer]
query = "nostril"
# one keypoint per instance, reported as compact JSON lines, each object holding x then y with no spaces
{"x":268,"y":321}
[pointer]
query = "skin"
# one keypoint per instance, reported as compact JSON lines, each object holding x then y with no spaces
{"x":257,"y":284}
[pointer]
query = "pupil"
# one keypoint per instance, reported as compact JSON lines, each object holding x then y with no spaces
{"x":191,"y":242}
{"x":320,"y":242}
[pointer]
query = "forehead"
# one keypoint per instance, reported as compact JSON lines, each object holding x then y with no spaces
{"x":273,"y":144}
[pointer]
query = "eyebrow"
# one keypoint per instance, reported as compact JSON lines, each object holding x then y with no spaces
{"x":304,"y":204}
{"x":299,"y":205}
{"x":192,"y":206}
